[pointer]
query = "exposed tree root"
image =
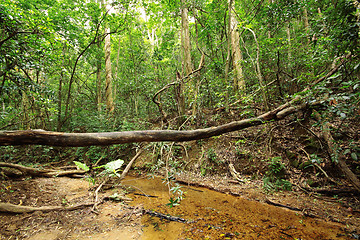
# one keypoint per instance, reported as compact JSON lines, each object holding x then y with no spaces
{"x":36,"y":172}
{"x":12,"y":208}
{"x":234,"y":173}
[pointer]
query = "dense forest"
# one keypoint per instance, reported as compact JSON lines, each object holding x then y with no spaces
{"x":187,"y":70}
{"x":90,"y":67}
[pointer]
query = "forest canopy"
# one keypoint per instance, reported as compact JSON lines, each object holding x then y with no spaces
{"x":91,"y":66}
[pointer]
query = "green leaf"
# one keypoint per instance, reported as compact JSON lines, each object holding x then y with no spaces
{"x":354,"y":156}
{"x":114,"y":165}
{"x":82,"y":166}
{"x":334,"y":76}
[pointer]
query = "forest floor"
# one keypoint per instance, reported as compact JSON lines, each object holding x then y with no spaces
{"x":215,"y":205}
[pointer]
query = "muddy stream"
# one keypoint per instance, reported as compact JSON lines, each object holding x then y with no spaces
{"x":209,"y":214}
{"x":214,"y":215}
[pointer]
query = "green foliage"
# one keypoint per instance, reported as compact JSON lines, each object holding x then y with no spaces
{"x":274,"y":176}
{"x":178,"y":196}
{"x":211,"y":155}
{"x":82,"y":166}
{"x":112,"y":168}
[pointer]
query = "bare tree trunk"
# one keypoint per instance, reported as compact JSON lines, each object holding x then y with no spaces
{"x":117,"y":67}
{"x":239,"y":82}
{"x":24,"y":105}
{"x":228,"y":57}
{"x":306,"y":25}
{"x":59,"y":123}
{"x":186,"y":62}
{"x":98,"y":83}
{"x":108,"y":74}
{"x":258,"y":71}
{"x":185,"y":40}
{"x":288,"y":35}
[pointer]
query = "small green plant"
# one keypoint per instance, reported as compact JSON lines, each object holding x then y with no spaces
{"x":274,"y":176}
{"x":178,"y":195}
{"x":110,"y":169}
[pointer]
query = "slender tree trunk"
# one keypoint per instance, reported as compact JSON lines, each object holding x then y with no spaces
{"x":59,"y":122}
{"x":24,"y":103}
{"x":98,"y":83}
{"x":117,"y":67}
{"x":269,"y":32}
{"x":98,"y":68}
{"x":258,"y":71}
{"x":239,"y":82}
{"x":357,"y":13}
{"x":108,"y":74}
{"x":288,"y":36}
{"x":306,"y":25}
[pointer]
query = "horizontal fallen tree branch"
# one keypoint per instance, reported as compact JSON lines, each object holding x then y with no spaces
{"x":12,"y":208}
{"x":41,"y":172}
{"x":41,"y":137}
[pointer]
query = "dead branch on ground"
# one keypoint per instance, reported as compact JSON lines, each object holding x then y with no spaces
{"x":12,"y":208}
{"x":36,"y":172}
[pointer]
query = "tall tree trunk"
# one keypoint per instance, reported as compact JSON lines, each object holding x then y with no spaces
{"x":239,"y":82}
{"x":185,"y":40}
{"x":108,"y":74}
{"x":228,"y":57}
{"x":186,"y":62}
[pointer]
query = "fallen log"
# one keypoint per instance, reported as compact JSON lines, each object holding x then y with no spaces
{"x":41,"y":172}
{"x":12,"y":208}
{"x":42,"y":137}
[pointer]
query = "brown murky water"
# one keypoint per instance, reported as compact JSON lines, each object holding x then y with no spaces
{"x":221,"y":216}
{"x":211,"y":215}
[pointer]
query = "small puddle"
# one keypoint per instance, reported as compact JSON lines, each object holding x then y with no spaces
{"x":220,"y":216}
